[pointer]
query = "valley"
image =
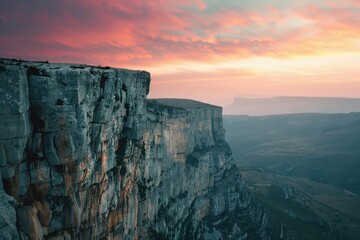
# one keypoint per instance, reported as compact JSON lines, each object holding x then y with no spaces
{"x":321,"y":147}
{"x":299,"y":208}
{"x":303,"y":169}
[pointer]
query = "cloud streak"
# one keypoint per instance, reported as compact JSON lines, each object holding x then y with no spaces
{"x":149,"y":34}
{"x":159,"y":31}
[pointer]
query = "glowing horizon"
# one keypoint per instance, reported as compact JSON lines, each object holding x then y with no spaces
{"x":208,"y":50}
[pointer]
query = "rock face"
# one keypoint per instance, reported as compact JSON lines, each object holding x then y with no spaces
{"x":84,"y":155}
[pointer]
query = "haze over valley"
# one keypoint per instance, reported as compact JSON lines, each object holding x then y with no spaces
{"x":304,"y":168}
{"x":287,"y":105}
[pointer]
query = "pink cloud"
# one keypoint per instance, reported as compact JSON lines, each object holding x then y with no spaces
{"x":148,"y":33}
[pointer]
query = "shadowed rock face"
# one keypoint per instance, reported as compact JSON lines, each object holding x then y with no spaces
{"x":84,"y":155}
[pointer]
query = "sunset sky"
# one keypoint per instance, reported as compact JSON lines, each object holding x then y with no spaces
{"x":209,"y":50}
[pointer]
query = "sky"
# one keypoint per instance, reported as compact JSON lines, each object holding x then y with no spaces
{"x":208,"y":50}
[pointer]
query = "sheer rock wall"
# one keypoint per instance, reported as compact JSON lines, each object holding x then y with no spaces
{"x":84,"y":155}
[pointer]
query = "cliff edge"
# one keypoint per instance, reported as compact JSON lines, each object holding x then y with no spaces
{"x":84,"y":155}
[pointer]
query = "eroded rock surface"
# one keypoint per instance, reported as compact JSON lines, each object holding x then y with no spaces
{"x":84,"y":155}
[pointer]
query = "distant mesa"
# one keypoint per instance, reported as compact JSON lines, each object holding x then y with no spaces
{"x":181,"y":103}
{"x":289,"y":105}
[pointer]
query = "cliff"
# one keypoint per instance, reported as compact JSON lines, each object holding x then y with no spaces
{"x":84,"y":155}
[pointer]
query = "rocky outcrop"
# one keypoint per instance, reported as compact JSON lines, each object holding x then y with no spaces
{"x":189,"y":175}
{"x":84,"y":155}
{"x":8,"y":216}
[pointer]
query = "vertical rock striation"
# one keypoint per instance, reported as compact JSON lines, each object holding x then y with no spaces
{"x":190,"y":187}
{"x":84,"y":155}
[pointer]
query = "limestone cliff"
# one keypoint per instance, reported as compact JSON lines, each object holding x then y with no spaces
{"x":84,"y":155}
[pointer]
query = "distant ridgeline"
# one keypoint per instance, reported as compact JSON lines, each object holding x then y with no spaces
{"x":84,"y":155}
{"x":286,"y":105}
